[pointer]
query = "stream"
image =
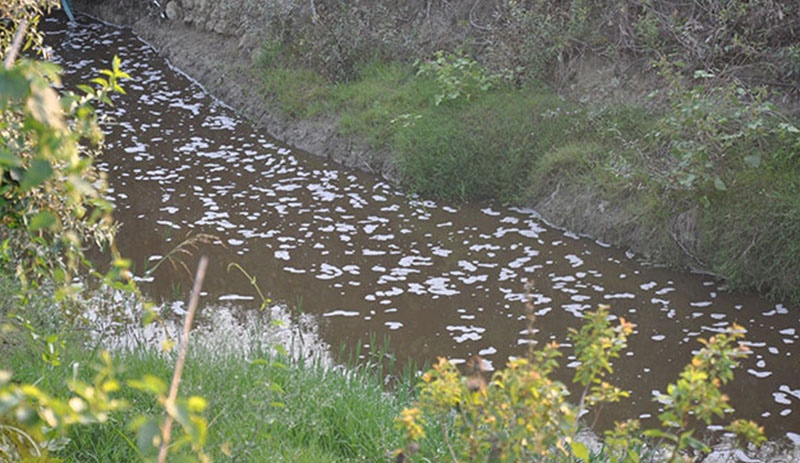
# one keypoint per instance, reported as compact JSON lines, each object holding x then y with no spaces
{"x":366,"y":261}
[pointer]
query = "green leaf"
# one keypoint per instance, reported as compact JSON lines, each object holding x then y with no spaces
{"x":280,"y":349}
{"x":688,"y":440}
{"x":581,"y":451}
{"x":719,"y":184}
{"x":146,"y":432}
{"x":788,"y":128}
{"x":42,"y":220}
{"x":13,"y":85}
{"x":38,"y":172}
{"x":9,"y":159}
{"x":116,"y":63}
{"x":279,"y":365}
{"x":703,"y":74}
{"x":753,"y":160}
{"x":100,"y":81}
{"x":45,"y":106}
{"x":275,"y":387}
{"x":149,"y":383}
{"x":86,"y":89}
{"x":659,"y":434}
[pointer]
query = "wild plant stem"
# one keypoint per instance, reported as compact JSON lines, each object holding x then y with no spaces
{"x":169,"y":405}
{"x":447,"y":441}
{"x":582,"y":402}
{"x":16,"y":43}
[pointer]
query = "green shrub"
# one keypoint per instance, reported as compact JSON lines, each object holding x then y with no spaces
{"x":522,"y":414}
{"x":52,"y":205}
{"x":713,"y":132}
{"x":458,"y":76}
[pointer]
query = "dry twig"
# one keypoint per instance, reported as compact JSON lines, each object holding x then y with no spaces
{"x":176,"y":377}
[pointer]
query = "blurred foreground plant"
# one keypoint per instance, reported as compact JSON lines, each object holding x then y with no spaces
{"x":52,"y":206}
{"x":52,"y":197}
{"x":34,"y":423}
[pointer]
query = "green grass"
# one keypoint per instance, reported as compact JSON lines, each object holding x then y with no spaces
{"x":478,"y":149}
{"x":297,"y":93}
{"x":261,"y":406}
{"x":260,"y":409}
{"x":756,"y":231}
{"x":385,"y":97}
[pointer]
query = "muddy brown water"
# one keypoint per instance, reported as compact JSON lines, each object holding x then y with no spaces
{"x":367,"y":260}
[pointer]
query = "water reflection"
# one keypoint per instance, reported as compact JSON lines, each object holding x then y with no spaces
{"x":365,"y":259}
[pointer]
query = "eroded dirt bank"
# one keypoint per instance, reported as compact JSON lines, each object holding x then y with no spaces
{"x":220,"y":56}
{"x":219,"y":50}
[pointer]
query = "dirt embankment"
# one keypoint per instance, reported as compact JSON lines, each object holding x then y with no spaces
{"x":219,"y":53}
{"x":216,"y":47}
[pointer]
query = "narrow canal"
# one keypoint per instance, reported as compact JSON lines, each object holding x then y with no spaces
{"x":365,"y":259}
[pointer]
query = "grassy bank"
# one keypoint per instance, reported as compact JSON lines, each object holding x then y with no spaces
{"x":698,"y":165}
{"x":62,"y":397}
{"x":261,"y":405}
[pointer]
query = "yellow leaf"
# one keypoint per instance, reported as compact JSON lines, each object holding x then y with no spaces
{"x":167,"y":345}
{"x":581,"y":451}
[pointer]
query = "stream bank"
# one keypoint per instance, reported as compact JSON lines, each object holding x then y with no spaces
{"x":220,"y":54}
{"x":219,"y":44}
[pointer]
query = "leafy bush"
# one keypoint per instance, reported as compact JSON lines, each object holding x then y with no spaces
{"x":51,"y":196}
{"x":458,"y":76}
{"x":52,"y":202}
{"x":715,"y":131}
{"x":521,"y":414}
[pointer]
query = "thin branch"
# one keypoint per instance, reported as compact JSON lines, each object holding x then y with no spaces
{"x":16,"y":44}
{"x":176,"y":378}
{"x":314,"y":15}
{"x":472,"y":17}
